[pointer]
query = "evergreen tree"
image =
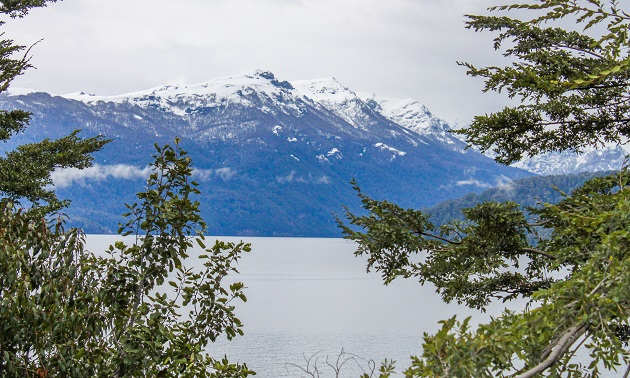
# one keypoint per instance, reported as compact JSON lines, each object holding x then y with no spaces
{"x":25,"y":172}
{"x":573,"y":87}
{"x":19,"y":8}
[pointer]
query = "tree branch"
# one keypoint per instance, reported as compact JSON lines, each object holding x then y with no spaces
{"x":568,"y":47}
{"x":558,"y":348}
{"x":596,"y":86}
{"x":574,"y":123}
{"x":427,"y":234}
{"x":538,"y":252}
{"x":539,"y":224}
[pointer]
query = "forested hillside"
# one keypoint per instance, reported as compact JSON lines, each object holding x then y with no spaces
{"x":527,"y":192}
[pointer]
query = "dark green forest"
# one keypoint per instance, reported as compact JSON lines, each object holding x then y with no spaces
{"x":528,"y":192}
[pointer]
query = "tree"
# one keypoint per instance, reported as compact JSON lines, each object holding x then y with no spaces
{"x":134,"y":310}
{"x":573,"y":87}
{"x":573,"y":92}
{"x":19,"y":8}
{"x":25,"y":172}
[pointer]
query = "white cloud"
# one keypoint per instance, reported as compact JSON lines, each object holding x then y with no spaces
{"x":66,"y":177}
{"x":323,"y":180}
{"x":225,"y":173}
{"x":287,"y":178}
{"x":293,"y":177}
{"x":505,"y":184}
{"x":63,"y":178}
{"x":207,"y":174}
{"x":502,"y":182}
{"x":474,"y":182}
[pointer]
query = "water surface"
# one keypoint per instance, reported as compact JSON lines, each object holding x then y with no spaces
{"x":309,"y":296}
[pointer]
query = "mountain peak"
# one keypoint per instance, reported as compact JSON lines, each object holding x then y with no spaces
{"x":328,"y":90}
{"x":265,"y":74}
{"x":269,"y":76}
{"x":222,"y":87}
{"x":407,"y":105}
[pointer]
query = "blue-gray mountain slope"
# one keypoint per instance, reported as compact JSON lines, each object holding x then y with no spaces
{"x":272,"y":159}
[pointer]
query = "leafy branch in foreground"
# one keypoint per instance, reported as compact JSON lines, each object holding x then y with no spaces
{"x":467,"y":261}
{"x":573,"y":89}
{"x":135,"y":311}
{"x":575,"y":280}
{"x":19,"y":8}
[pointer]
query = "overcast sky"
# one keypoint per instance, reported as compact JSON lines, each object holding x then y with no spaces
{"x":395,"y":48}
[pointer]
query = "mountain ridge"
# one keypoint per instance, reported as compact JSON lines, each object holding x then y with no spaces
{"x":273,"y":158}
{"x":329,"y":92}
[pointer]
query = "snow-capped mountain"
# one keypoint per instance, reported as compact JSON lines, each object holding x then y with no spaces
{"x":245,"y":90}
{"x":342,"y":101}
{"x":414,"y":116}
{"x":360,"y":110}
{"x":610,"y":158}
{"x":272,"y":157}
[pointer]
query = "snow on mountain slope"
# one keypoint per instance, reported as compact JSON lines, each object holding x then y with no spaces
{"x":334,"y":96}
{"x":260,"y":91}
{"x":263,"y":91}
{"x":414,"y":116}
{"x":182,"y":99}
{"x":609,"y":158}
{"x":341,"y":100}
{"x":561,"y":163}
{"x":20,"y":91}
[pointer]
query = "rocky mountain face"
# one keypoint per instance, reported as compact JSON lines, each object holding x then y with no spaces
{"x":273,"y":158}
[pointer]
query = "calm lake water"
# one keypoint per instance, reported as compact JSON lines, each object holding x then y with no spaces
{"x":312,"y":297}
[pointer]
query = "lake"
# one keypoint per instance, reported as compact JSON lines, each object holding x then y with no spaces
{"x":312,"y":297}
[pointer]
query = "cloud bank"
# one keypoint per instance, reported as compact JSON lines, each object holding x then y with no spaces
{"x":64,"y":178}
{"x":293,"y":177}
